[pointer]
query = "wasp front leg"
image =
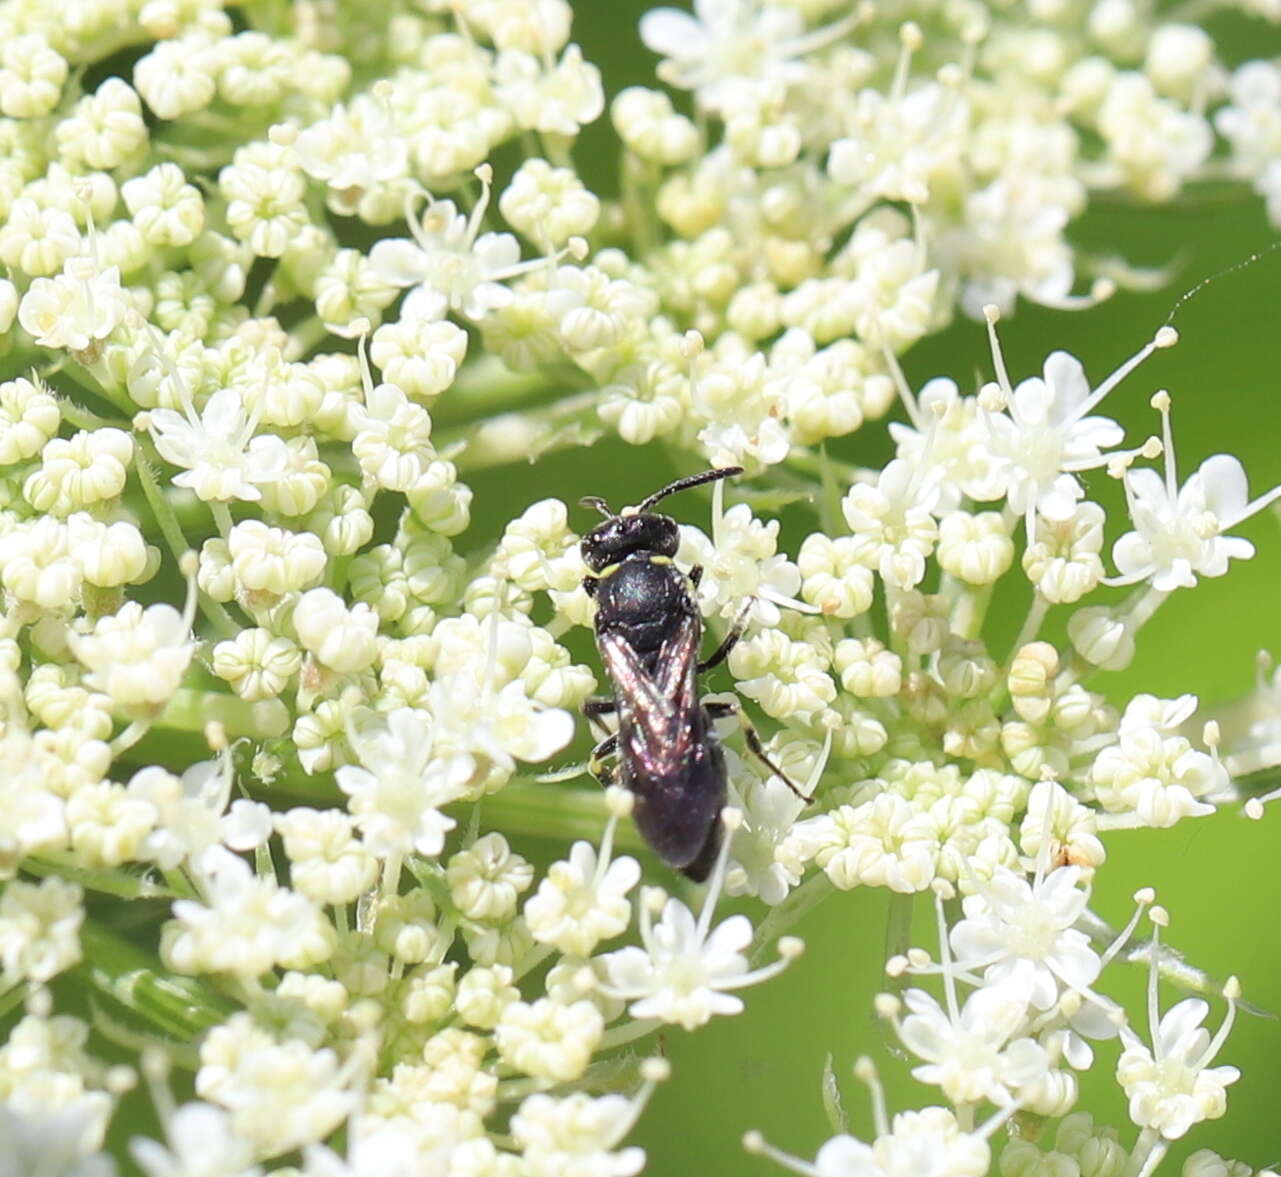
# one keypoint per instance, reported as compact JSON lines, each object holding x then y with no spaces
{"x":722,"y":710}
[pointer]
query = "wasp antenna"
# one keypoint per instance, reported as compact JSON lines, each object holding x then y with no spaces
{"x":685,"y":483}
{"x":597,"y":503}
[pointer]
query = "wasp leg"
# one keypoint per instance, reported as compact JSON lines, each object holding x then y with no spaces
{"x":595,"y":708}
{"x":604,"y":773}
{"x":696,"y":575}
{"x":719,"y":710}
{"x":718,"y":655}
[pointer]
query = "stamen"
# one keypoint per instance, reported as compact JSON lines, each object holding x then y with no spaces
{"x":910,"y":39}
{"x":756,"y":1144}
{"x":485,"y":174}
{"x":1231,"y":994}
{"x":865,"y":1072}
{"x":992,"y":315}
{"x":731,"y":820}
{"x":1165,"y":337}
{"x":1161,"y":402}
{"x":945,"y":959}
{"x":1160,"y":919}
{"x":1143,"y":899}
{"x":905,"y":393}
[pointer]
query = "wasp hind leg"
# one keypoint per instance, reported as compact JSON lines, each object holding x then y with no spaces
{"x":719,"y":710}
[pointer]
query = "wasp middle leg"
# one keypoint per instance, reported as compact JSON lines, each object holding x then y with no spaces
{"x":722,"y":710}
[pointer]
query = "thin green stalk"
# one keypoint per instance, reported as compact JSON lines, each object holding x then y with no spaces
{"x":783,"y":916}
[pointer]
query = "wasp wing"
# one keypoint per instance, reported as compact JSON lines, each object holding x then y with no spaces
{"x":669,"y":756}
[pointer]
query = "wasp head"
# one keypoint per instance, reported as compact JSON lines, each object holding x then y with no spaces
{"x":621,"y":535}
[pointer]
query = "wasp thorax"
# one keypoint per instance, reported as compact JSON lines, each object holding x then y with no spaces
{"x":619,"y":537}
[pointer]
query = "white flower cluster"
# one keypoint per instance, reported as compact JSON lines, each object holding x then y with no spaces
{"x":276,"y":282}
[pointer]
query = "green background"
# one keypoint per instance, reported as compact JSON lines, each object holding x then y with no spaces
{"x":1217,"y":876}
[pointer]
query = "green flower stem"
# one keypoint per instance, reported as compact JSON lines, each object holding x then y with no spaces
{"x":178,"y":1007}
{"x":124,"y":884}
{"x":783,"y":915}
{"x":898,"y":928}
{"x":623,"y":1034}
{"x":525,"y":436}
{"x":485,"y":385}
{"x":13,"y":997}
{"x":83,"y":418}
{"x":212,"y":610}
{"x":639,"y":184}
{"x":190,"y":710}
{"x":546,"y":811}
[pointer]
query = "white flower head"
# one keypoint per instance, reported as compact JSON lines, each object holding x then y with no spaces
{"x":583,"y":900}
{"x":402,"y":780}
{"x":741,"y":564}
{"x":725,"y":41}
{"x":201,"y":1143}
{"x":449,"y":263}
{"x":220,"y":456}
{"x":77,"y":310}
{"x":1022,"y":934}
{"x":1180,"y":531}
{"x":1171,"y":1085}
{"x":137,"y":656}
{"x":685,"y":970}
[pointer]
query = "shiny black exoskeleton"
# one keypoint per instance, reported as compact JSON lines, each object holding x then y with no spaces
{"x":648,"y":631}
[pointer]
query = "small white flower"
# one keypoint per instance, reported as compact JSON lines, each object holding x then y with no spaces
{"x":974,"y":1053}
{"x":486,"y":879}
{"x":39,"y":929}
{"x":740,"y":564}
{"x":342,"y":639}
{"x":1021,"y":934}
{"x":137,"y":656}
{"x":1171,"y":1086}
{"x":580,"y":902}
{"x":1179,"y":531}
{"x":1047,"y":434}
{"x":892,"y":522}
{"x":220,"y":456}
{"x":554,"y":99}
{"x":574,"y":1136}
{"x":59,"y":1142}
{"x":1154,"y":772}
{"x":401,"y":782}
{"x":725,"y":41}
{"x":354,"y":147}
{"x":548,"y":1040}
{"x":926,"y":1143}
{"x":885,"y":842}
{"x":685,"y":970}
{"x":247,"y":926}
{"x":449,"y":263}
{"x":281,"y":1095}
{"x":76,"y":310}
{"x":201,"y":1143}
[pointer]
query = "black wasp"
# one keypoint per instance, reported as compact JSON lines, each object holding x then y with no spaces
{"x":648,"y":632}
